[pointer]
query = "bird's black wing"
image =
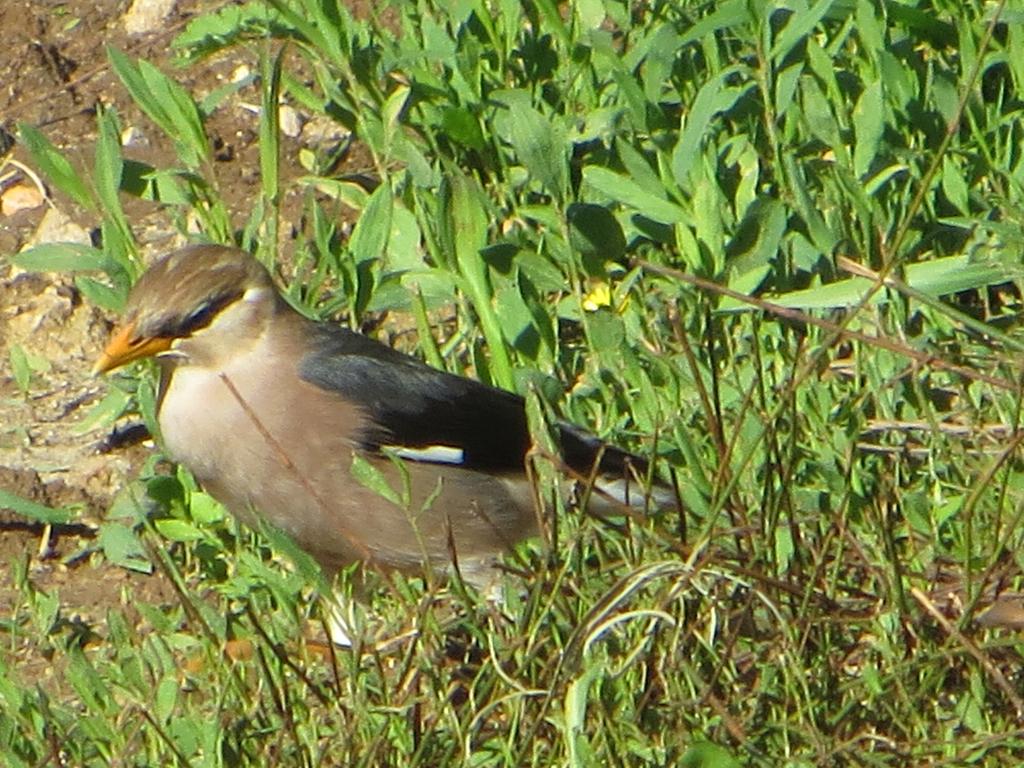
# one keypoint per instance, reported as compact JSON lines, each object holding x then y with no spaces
{"x":412,"y":406}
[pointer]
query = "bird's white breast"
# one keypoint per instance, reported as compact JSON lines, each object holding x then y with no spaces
{"x":226,"y":422}
{"x":199,"y":415}
{"x":261,"y":439}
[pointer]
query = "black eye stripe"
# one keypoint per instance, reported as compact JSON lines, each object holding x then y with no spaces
{"x":199,"y":318}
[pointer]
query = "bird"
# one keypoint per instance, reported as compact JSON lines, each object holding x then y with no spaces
{"x":281,"y":418}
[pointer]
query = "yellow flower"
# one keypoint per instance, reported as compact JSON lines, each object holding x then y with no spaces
{"x":600,"y":296}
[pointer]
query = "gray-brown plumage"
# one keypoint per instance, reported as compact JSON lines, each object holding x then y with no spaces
{"x":268,"y":409}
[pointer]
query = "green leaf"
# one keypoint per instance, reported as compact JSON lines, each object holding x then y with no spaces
{"x":270,"y":152}
{"x":209,"y":32}
{"x":370,"y":235}
{"x":581,"y":753}
{"x":165,"y":489}
{"x":725,"y":15}
{"x":20,"y":368}
{"x":94,"y":691}
{"x":178,"y":530}
{"x":468,"y":220}
{"x":205,"y":509}
{"x":714,"y":97}
{"x":122,"y":547}
{"x":708,"y":755}
{"x":147,"y":183}
{"x":167,"y":104}
{"x":109,"y":167}
{"x":708,"y":205}
{"x":166,"y":698}
{"x":638,"y":169}
{"x":104,"y":412}
{"x":607,"y":332}
{"x":391,"y":119}
{"x":404,"y":250}
{"x":868,"y":125}
{"x":596,"y":235}
{"x":304,"y":563}
{"x":953,"y":185}
{"x":55,"y":166}
{"x":938,"y":277}
{"x":745,"y":282}
{"x":367,"y":245}
{"x":462,"y":126}
{"x":102,"y":295}
{"x":372,"y":478}
{"x":348,"y":193}
{"x":770,"y":219}
{"x":515,"y":319}
{"x":540,"y":271}
{"x":540,"y":144}
{"x":64,"y":257}
{"x":818,"y":113}
{"x":624,"y":190}
{"x":608,"y":57}
{"x":800,"y":25}
{"x":32,"y":510}
{"x":786,"y":82}
{"x":552,"y":17}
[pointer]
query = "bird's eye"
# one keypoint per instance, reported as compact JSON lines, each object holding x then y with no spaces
{"x":205,"y":313}
{"x":200,"y":317}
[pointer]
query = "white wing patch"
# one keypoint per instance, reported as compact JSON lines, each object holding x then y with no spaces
{"x":630,"y":493}
{"x":437,"y":454}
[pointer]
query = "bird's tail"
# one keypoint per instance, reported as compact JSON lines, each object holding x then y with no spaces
{"x":619,"y":478}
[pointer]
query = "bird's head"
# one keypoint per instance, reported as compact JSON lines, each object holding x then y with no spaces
{"x":195,"y":305}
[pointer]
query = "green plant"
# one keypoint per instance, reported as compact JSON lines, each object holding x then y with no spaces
{"x":586,"y":195}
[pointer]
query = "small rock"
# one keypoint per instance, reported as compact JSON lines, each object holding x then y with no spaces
{"x":240,"y":73}
{"x":322,"y":131}
{"x":57,"y":227}
{"x":20,"y":197}
{"x":288,"y":117}
{"x":290,"y":121}
{"x":133,"y":136}
{"x":147,"y":16}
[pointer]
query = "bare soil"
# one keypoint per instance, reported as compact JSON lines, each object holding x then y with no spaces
{"x":54,"y":71}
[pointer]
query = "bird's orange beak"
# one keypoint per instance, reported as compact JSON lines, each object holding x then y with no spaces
{"x":125,"y":346}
